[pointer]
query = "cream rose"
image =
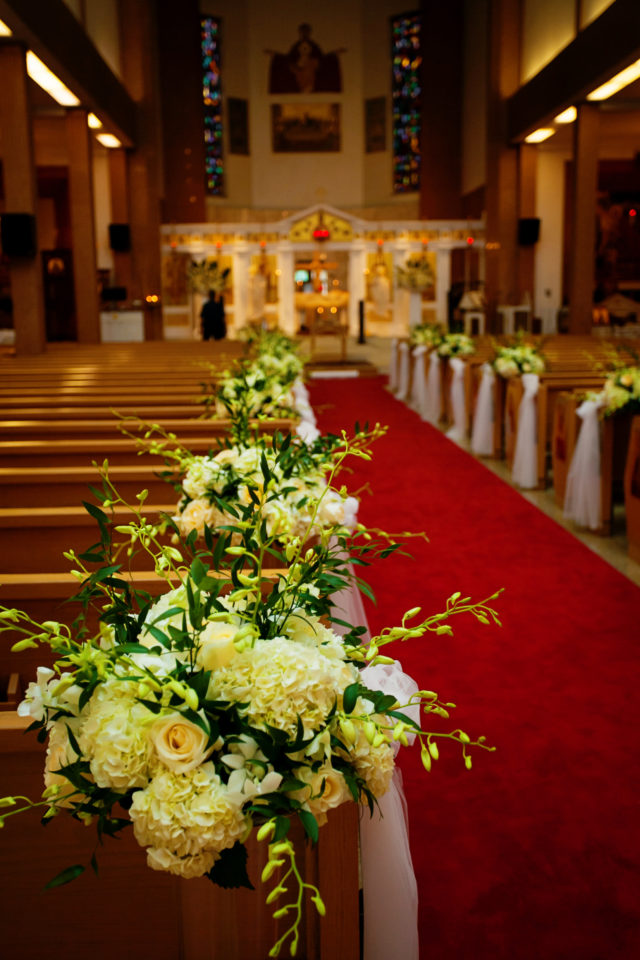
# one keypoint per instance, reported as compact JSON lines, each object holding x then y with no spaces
{"x":195,"y":516}
{"x":179,"y":744}
{"x":216,"y":648}
{"x":326,"y":790}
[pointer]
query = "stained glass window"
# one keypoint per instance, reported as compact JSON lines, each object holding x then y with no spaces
{"x":406,"y":94}
{"x":212,"y":99}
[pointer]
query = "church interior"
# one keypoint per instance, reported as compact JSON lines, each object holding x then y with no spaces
{"x":225,"y":222}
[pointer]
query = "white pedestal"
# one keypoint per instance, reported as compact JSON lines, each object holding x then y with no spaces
{"x":122,"y":326}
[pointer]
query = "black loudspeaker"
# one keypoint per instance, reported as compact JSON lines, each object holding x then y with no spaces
{"x":18,"y":235}
{"x":113,"y":294}
{"x":120,"y":237}
{"x":528,"y":231}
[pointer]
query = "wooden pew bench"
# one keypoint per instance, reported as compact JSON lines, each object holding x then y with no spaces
{"x":69,"y":486}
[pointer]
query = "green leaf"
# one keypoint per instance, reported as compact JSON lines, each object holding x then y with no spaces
{"x":310,"y":825}
{"x":350,"y":696}
{"x":230,"y":871}
{"x":197,"y":571}
{"x":94,"y":863}
{"x":65,"y":876}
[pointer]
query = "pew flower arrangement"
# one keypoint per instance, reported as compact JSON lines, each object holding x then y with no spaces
{"x":224,"y":705}
{"x":206,"y":275}
{"x":426,"y":334}
{"x":456,"y":345}
{"x":511,"y":361}
{"x":416,"y":273}
{"x":621,"y":390}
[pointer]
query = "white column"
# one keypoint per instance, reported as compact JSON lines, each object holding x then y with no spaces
{"x":357,"y":286}
{"x":241,"y":255}
{"x":287,"y":314}
{"x":443,"y":282}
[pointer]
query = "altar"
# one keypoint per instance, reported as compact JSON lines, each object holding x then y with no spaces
{"x":363,"y":257}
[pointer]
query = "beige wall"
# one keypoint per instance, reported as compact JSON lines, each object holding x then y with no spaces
{"x":590,"y":9}
{"x":550,"y":185}
{"x":101,"y":21}
{"x":547,"y":27}
{"x":348,"y":178}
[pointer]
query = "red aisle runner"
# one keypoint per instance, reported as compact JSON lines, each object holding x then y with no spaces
{"x":534,"y":854}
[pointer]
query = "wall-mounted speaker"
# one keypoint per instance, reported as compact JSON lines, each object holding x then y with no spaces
{"x":18,"y":235}
{"x":120,"y":237}
{"x":528,"y":231}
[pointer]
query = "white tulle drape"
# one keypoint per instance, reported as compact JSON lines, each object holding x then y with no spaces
{"x":419,"y":382}
{"x":403,"y":375}
{"x":456,"y":398}
{"x":483,"y":418}
{"x":433,"y":401}
{"x":525,"y":461}
{"x":583,"y":501}
{"x":389,"y":883}
{"x":393,"y":366}
{"x":388,"y":878}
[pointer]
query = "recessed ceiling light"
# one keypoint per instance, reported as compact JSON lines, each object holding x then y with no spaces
{"x":108,"y":140}
{"x":567,"y":116}
{"x":543,"y":133}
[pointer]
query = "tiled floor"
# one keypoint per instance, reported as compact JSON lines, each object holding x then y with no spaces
{"x":612,"y":549}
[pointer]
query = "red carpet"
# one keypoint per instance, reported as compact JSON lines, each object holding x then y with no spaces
{"x":534,"y":854}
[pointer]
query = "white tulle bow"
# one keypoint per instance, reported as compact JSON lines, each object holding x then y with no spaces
{"x":456,"y":396}
{"x":524,"y":471}
{"x":583,"y":498}
{"x":483,"y":418}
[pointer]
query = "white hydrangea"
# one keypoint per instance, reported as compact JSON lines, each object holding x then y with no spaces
{"x":307,"y":629}
{"x":115,"y":737}
{"x":280,"y":680}
{"x":186,"y":867}
{"x":374,"y":764}
{"x":187,"y":813}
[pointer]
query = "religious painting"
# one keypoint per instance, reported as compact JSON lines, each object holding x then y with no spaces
{"x":375,"y":124}
{"x":305,"y":68}
{"x":305,"y":127}
{"x":238,"y":125}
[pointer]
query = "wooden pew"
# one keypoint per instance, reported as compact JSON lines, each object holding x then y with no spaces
{"x":632,"y":490}
{"x":69,"y":486}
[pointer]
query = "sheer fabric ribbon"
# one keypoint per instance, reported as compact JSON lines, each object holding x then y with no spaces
{"x":582,"y":501}
{"x":403,"y":377}
{"x":482,"y":433}
{"x":393,"y":366}
{"x":456,"y":397}
{"x":525,"y":461}
{"x":432,"y":407}
{"x":419,"y":384}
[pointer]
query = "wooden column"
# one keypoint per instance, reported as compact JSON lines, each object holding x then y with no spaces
{"x":527,"y":167}
{"x":583,"y":225}
{"x":83,"y":234}
{"x":20,"y":194}
{"x":119,"y":183}
{"x":441,"y":133}
{"x":139,"y":43}
{"x":502,"y":158}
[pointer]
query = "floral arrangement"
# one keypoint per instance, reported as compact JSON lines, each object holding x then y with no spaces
{"x":206,"y":275}
{"x":416,"y":274}
{"x":511,"y":361}
{"x":427,"y":334}
{"x":456,"y":345}
{"x":236,"y":699}
{"x":214,"y":485}
{"x":621,"y":390}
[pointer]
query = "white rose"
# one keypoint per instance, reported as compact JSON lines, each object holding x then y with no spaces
{"x":216,"y":647}
{"x":179,"y":744}
{"x":326,"y":790}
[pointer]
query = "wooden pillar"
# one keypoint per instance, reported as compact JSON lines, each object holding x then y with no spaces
{"x":83,"y":233}
{"x":119,"y":184}
{"x":527,"y":169}
{"x":502,"y":158}
{"x":140,"y":73}
{"x":583,"y":225}
{"x":20,"y":195}
{"x":441,"y":132}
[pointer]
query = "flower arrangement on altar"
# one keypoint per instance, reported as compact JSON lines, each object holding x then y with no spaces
{"x":206,"y":275}
{"x":621,"y":390}
{"x":511,"y":361}
{"x":416,"y":273}
{"x":237,"y":698}
{"x":426,"y":334}
{"x":456,"y":345}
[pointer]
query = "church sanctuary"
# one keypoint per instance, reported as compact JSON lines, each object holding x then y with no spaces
{"x":319,"y":479}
